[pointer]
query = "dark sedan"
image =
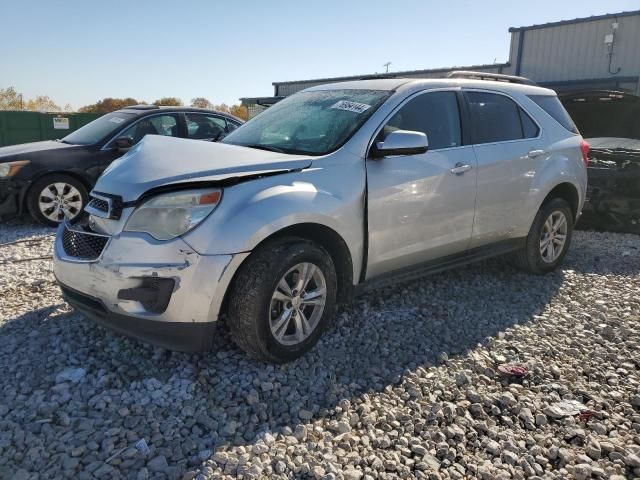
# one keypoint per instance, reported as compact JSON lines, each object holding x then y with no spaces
{"x":51,"y":179}
{"x":610,"y":122}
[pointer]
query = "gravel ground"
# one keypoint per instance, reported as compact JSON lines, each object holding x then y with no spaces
{"x":404,"y":385}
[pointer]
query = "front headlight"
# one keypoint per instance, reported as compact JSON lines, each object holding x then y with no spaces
{"x":172,"y":214}
{"x":9,"y":169}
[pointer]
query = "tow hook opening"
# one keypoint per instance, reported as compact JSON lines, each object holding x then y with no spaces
{"x":154,"y":293}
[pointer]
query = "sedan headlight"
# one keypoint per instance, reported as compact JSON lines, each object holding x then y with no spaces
{"x":172,"y":214}
{"x":9,"y":169}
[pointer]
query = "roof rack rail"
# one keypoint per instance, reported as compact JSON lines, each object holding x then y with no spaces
{"x":498,"y":77}
{"x":376,"y":76}
{"x":143,"y":107}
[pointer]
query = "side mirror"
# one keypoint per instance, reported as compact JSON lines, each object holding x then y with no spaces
{"x":123,"y":143}
{"x":401,"y":142}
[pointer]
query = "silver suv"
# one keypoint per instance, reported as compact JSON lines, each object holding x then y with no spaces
{"x":334,"y":189}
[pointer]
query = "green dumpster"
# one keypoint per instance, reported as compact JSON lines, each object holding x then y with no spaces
{"x":22,"y":127}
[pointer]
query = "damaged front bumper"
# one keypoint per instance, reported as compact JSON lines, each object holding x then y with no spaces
{"x":162,"y":292}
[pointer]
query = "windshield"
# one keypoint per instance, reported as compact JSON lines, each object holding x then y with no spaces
{"x":98,"y":129}
{"x":310,"y":123}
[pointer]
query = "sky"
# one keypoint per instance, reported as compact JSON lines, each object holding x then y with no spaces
{"x":80,"y":51}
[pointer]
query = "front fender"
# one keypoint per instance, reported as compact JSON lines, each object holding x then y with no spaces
{"x":250,"y":212}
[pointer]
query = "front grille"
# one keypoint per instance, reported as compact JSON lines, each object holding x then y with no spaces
{"x":105,"y":206}
{"x":83,"y":245}
{"x":99,"y":204}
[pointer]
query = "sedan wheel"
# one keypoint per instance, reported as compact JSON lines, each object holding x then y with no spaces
{"x":60,"y":200}
{"x":55,"y":197}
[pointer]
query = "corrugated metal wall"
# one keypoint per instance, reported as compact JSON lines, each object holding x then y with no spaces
{"x":577,"y":51}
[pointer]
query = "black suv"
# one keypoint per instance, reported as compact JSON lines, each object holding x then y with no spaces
{"x":51,"y":179}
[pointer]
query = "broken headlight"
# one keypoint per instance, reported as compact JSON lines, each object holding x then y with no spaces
{"x":169,"y":215}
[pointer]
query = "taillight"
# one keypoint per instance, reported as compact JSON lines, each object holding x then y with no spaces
{"x":584,"y":148}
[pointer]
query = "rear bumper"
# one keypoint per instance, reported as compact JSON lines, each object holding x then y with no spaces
{"x":181,"y":336}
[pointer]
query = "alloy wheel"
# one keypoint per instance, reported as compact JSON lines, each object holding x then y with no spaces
{"x":297,"y":304}
{"x":553,"y":237}
{"x":59,"y":200}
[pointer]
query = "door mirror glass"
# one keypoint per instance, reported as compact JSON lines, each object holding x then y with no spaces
{"x":401,"y":142}
{"x":123,"y":143}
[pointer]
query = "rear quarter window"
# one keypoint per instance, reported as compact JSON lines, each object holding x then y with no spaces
{"x":551,"y":104}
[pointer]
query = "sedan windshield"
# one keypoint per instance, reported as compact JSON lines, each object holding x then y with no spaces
{"x":310,"y":123}
{"x":95,"y":131}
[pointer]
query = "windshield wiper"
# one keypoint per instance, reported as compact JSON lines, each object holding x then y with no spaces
{"x":268,"y":148}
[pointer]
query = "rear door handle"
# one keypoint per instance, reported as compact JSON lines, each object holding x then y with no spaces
{"x":459,"y":169}
{"x":535,"y":153}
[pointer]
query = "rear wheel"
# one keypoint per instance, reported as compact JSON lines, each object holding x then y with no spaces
{"x":53,"y":198}
{"x":282,"y":299}
{"x":549,"y":238}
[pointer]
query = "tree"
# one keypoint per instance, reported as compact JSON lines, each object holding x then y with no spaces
{"x":223,"y":107}
{"x":42,"y":103}
{"x":201,"y":102}
{"x":109,"y":104}
{"x":68,"y":108}
{"x":10,"y":99}
{"x":240,"y":111}
{"x":169,"y":102}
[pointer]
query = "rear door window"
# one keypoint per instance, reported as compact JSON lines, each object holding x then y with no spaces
{"x":529,"y":127}
{"x":494,"y":118}
{"x":552,"y":105}
{"x":205,"y":127}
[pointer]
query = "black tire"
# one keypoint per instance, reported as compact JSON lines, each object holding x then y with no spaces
{"x":530,"y":257}
{"x":252,"y":289}
{"x":33,"y":197}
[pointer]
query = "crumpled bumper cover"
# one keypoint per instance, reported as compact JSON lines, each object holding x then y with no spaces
{"x":128,"y":261}
{"x":181,"y":336}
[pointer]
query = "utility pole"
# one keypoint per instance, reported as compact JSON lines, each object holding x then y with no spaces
{"x":386,"y":65}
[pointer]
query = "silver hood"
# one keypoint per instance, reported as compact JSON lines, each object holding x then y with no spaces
{"x":158,"y":161}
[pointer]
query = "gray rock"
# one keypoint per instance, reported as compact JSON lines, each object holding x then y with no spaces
{"x":157,"y":464}
{"x":632,"y":460}
{"x":582,"y":471}
{"x":71,"y":374}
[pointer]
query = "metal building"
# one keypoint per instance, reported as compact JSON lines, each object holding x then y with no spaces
{"x":594,"y":52}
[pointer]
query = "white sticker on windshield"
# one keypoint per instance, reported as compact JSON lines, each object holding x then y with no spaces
{"x":116,"y":119}
{"x":354,"y":107}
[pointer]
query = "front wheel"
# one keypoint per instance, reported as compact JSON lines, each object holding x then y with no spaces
{"x":282,"y":299}
{"x":55,"y":197}
{"x":549,"y":238}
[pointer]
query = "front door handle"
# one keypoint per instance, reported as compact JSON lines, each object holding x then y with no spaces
{"x":535,"y":153}
{"x":460,"y":168}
